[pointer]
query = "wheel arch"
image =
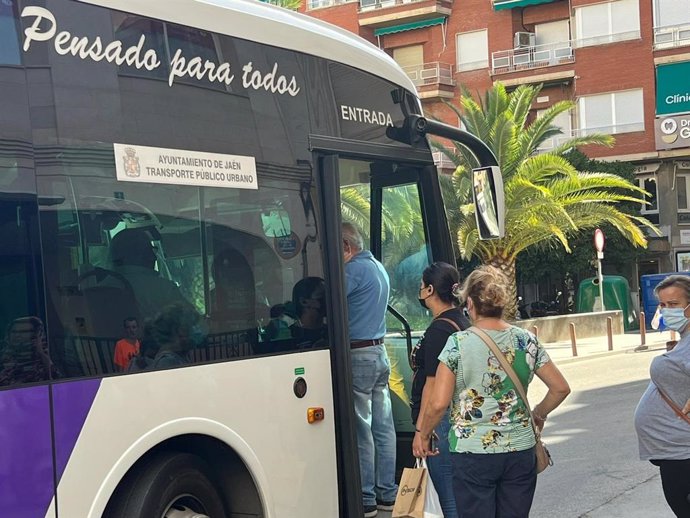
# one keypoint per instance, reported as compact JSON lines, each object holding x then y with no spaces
{"x":231,"y":458}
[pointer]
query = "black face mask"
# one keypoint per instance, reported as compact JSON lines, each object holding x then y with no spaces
{"x":422,"y":301}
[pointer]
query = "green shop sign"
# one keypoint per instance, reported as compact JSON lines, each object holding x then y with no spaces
{"x":673,"y":88}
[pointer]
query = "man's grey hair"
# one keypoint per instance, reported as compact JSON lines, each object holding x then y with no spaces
{"x":352,"y":236}
{"x":678,"y":281}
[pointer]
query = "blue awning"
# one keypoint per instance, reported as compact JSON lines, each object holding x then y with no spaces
{"x":511,"y":4}
{"x":409,"y":26}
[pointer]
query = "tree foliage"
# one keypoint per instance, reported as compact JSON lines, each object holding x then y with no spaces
{"x":548,"y":200}
{"x":293,"y":5}
{"x":539,"y":262}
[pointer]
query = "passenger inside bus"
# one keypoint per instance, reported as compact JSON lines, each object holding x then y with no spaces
{"x":148,"y":350}
{"x":128,"y":346}
{"x":299,"y":323}
{"x":309,"y":301}
{"x":174,"y":331}
{"x":24,"y":357}
{"x":132,"y":256}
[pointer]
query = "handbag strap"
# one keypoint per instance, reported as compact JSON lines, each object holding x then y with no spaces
{"x":451,"y":322}
{"x":670,"y":402}
{"x":491,"y":344}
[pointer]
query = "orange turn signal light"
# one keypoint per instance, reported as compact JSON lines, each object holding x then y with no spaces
{"x":314,"y":414}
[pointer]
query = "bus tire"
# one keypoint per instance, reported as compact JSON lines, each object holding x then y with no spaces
{"x":164,"y":481}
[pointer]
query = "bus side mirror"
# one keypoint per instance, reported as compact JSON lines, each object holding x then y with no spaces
{"x":489,"y":202}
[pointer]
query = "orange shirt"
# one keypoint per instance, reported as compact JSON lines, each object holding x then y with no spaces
{"x":124,"y":351}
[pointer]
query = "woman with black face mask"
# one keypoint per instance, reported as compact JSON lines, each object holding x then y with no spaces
{"x":438,"y":293}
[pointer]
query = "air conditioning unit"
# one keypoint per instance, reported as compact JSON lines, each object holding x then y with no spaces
{"x":524,"y":39}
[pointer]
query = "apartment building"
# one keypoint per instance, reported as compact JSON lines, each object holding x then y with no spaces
{"x":625,"y":63}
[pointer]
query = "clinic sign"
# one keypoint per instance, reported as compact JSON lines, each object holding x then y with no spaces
{"x":673,"y":88}
{"x":181,"y":167}
{"x":672,"y":132}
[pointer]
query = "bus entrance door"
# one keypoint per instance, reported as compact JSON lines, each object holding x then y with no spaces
{"x":399,"y":210}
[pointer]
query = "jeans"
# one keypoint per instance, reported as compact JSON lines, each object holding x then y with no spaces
{"x":441,"y":469}
{"x":375,"y":430}
{"x":491,"y":485}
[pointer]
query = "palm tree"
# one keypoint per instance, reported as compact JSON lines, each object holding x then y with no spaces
{"x":547,"y":200}
{"x":401,"y":218}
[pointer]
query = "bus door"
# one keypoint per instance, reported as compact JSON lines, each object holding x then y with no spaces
{"x":399,"y":210}
{"x":408,"y":232}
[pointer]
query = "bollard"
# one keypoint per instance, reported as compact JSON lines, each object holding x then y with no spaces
{"x":573,"y":339}
{"x":643,"y":334}
{"x":609,"y":332}
{"x":535,"y":332}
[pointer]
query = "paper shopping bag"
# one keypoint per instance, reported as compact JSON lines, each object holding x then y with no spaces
{"x":409,"y":502}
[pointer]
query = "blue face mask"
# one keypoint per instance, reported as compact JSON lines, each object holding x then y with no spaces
{"x":674,"y":318}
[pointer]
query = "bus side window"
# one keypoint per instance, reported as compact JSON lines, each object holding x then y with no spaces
{"x":24,"y":350}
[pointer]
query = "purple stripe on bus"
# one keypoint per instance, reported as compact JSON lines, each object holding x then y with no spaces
{"x":71,"y":404}
{"x":26,"y":460}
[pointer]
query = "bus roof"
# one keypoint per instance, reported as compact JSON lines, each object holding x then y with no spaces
{"x":264,"y":23}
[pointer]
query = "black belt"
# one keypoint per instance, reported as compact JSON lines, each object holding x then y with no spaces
{"x":358,"y":344}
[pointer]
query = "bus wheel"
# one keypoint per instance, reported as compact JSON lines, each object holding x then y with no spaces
{"x":168,"y":485}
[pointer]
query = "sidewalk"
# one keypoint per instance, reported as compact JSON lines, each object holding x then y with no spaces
{"x":561,"y":352}
{"x":636,"y":503}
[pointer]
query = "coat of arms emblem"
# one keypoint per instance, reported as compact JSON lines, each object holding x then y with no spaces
{"x":131,"y":162}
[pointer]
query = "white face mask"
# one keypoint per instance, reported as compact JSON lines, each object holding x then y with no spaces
{"x":674,"y":318}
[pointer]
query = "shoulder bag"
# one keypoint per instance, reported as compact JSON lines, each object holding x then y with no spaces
{"x":451,"y":322}
{"x":670,"y":402}
{"x":544,"y":459}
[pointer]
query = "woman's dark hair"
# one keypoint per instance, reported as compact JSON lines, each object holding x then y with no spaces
{"x":445,"y":280}
{"x":306,"y":289}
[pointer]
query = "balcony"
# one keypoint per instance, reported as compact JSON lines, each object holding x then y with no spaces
{"x":554,"y":142}
{"x":381,"y":13}
{"x":318,"y":4}
{"x":442,"y":161}
{"x":613,"y":129}
{"x":430,"y":74}
{"x":528,"y":58}
{"x":671,"y":37}
{"x":433,"y":80}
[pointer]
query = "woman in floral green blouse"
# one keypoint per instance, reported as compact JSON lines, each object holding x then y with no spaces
{"x":494,"y":464}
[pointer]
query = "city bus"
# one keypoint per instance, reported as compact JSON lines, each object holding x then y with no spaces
{"x":173,"y":178}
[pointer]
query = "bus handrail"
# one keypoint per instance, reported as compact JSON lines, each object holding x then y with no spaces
{"x":406,"y":326}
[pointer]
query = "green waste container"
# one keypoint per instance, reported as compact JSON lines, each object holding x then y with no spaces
{"x":616,"y":296}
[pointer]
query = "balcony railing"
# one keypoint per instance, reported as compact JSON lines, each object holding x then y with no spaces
{"x":435,"y":73}
{"x":317,"y":4}
{"x":672,"y":36}
{"x":605,"y":39}
{"x":556,"y":141}
{"x":442,"y":161}
{"x":611,"y":130}
{"x":370,"y":5}
{"x":525,"y":58}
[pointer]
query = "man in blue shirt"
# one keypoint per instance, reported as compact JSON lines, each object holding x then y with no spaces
{"x":368,"y":287}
